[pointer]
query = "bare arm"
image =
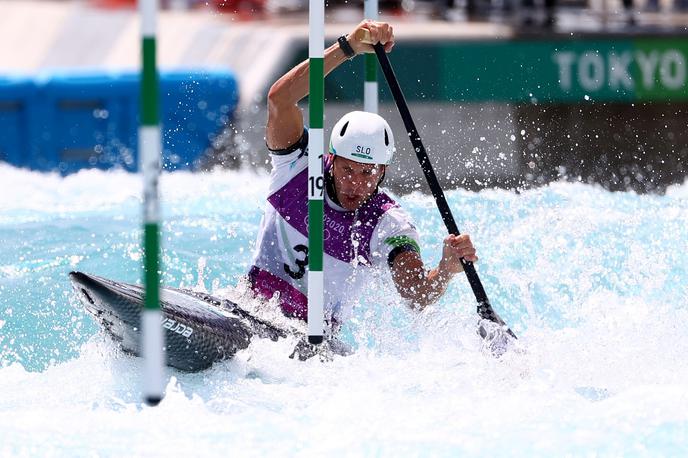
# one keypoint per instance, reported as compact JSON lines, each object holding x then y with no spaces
{"x":285,"y":120}
{"x":423,"y":288}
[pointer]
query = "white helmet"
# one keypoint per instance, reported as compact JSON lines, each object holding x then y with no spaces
{"x":363,"y":137}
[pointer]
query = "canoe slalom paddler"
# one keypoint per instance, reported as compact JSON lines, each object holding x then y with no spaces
{"x":364,"y":228}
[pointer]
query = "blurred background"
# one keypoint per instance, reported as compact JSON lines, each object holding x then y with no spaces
{"x":508,"y":93}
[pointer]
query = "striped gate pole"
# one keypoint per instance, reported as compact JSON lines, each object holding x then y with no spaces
{"x":370,"y":100}
{"x":150,"y":147}
{"x":316,"y":141}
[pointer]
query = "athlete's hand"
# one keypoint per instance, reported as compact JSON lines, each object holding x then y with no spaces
{"x":380,"y":32}
{"x":455,"y":248}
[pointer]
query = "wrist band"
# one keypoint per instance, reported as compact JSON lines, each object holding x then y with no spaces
{"x":346,"y":47}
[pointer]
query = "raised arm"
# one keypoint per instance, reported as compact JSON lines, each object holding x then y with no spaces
{"x":285,"y":120}
{"x":423,"y":288}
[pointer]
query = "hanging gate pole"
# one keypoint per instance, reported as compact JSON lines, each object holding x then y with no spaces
{"x":150,"y":147}
{"x":316,"y":141}
{"x":370,"y":90}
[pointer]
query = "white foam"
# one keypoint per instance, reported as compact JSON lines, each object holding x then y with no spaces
{"x":592,"y":282}
{"x":28,"y":195}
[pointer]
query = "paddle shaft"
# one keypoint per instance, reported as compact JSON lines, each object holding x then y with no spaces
{"x":485,"y":310}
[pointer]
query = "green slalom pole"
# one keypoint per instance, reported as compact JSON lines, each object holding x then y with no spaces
{"x":370,"y":91}
{"x":316,"y":105}
{"x":150,"y":147}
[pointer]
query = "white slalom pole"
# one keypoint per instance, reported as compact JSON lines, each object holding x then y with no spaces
{"x":150,"y":148}
{"x":370,"y":91}
{"x":316,"y":142}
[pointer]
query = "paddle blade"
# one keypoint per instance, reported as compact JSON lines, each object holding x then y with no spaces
{"x":497,"y":339}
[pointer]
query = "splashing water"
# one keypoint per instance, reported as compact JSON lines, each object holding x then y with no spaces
{"x":594,"y":284}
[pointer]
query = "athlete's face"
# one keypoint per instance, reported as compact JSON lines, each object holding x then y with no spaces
{"x":355,"y":182}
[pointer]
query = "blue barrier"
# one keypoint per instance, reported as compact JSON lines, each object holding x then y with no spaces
{"x":84,"y":122}
{"x":194,"y":108}
{"x":17,"y":139}
{"x":74,"y":121}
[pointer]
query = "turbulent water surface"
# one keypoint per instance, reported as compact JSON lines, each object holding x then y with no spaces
{"x":594,"y":283}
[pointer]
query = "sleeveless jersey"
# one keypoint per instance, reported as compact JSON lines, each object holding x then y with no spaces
{"x":354,"y":241}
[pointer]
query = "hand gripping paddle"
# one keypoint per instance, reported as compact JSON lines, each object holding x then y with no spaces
{"x":485,"y":310}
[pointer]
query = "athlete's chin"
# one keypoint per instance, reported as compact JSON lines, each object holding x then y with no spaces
{"x":351,"y":203}
{"x":349,"y":207}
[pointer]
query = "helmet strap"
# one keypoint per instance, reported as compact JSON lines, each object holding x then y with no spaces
{"x":382,"y":178}
{"x":330,"y":186}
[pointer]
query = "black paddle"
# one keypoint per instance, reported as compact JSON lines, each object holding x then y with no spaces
{"x":485,"y":310}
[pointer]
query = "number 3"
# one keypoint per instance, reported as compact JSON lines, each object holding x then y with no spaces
{"x":301,"y":263}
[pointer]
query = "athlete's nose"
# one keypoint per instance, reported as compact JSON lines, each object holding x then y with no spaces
{"x":351,"y":185}
{"x":358,"y":185}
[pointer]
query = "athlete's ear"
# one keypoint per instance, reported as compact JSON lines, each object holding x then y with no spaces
{"x":382,"y":178}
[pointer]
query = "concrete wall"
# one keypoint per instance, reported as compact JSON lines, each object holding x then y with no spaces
{"x":469,"y":145}
{"x":640,"y":147}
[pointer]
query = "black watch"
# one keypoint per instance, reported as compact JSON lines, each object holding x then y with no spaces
{"x":346,"y":47}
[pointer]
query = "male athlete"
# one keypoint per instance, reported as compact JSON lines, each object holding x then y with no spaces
{"x":364,"y":227}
